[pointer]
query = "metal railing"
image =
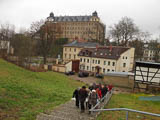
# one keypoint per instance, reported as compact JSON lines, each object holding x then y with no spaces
{"x":127,"y":111}
{"x":106,"y":99}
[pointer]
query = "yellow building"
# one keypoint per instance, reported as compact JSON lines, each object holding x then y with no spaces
{"x":106,"y":59}
{"x":71,"y":50}
{"x":89,"y":27}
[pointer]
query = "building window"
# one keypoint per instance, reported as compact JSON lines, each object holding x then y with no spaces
{"x":126,"y":57}
{"x":108,"y":62}
{"x":80,"y":67}
{"x":87,"y":60}
{"x":74,"y":49}
{"x":113,"y":63}
{"x":70,"y":49}
{"x":112,"y":70}
{"x":108,"y":70}
{"x":74,"y":56}
{"x":92,"y":68}
{"x":104,"y":62}
{"x":83,"y":67}
{"x":65,"y":55}
{"x":81,"y":59}
{"x":104,"y":70}
{"x":124,"y":64}
{"x":84,"y":60}
{"x":87,"y":67}
{"x":123,"y":57}
{"x":93,"y":61}
{"x":65,"y":49}
{"x":98,"y":61}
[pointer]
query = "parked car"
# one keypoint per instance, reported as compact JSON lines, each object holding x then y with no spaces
{"x":69,"y":73}
{"x":99,"y":76}
{"x":80,"y":74}
{"x":83,"y":74}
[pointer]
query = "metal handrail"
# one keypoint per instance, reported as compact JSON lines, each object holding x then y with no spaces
{"x":108,"y":96}
{"x":127,"y":110}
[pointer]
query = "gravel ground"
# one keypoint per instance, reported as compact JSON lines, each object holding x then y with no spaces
{"x":88,"y":80}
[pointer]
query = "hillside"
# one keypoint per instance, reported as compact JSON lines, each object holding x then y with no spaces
{"x":23,"y":94}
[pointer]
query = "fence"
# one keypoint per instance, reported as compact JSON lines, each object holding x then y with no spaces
{"x":103,"y":101}
{"x":107,"y":98}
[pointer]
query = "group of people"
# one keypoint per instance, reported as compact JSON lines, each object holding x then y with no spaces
{"x":88,"y":97}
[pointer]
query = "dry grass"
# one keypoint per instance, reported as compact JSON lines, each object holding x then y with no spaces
{"x":119,"y":81}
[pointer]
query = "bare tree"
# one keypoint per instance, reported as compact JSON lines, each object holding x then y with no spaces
{"x":7,"y":32}
{"x":35,"y":26}
{"x":144,"y":36}
{"x":124,"y":31}
{"x":139,"y":48}
{"x":48,"y":33}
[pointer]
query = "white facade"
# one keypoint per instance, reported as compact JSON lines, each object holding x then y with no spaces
{"x":123,"y":64}
{"x":5,"y":45}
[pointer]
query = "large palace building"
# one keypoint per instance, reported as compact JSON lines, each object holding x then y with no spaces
{"x":89,"y":28}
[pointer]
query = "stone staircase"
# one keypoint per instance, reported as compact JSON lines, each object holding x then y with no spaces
{"x":69,"y":111}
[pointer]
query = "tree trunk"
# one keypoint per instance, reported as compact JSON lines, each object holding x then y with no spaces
{"x":44,"y":59}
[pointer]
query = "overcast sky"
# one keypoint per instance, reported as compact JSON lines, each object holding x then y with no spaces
{"x":21,"y":13}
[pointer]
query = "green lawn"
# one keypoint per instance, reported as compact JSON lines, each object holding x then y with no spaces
{"x":23,"y":94}
{"x":130,"y":101}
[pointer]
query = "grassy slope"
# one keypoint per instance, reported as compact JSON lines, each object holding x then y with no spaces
{"x":23,"y":94}
{"x":130,"y":101}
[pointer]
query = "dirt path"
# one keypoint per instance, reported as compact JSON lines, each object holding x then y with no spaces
{"x":87,"y":80}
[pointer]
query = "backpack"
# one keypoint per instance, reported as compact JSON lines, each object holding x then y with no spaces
{"x":93,"y":95}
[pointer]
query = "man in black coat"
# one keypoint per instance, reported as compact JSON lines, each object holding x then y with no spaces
{"x":82,"y":97}
{"x":75,"y":94}
{"x":104,"y":90}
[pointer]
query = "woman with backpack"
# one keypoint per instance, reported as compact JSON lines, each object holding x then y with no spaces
{"x":93,"y":97}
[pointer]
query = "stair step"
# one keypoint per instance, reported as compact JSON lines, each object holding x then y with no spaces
{"x":66,"y":109}
{"x":43,"y":116}
{"x":69,"y":111}
{"x":69,"y":117}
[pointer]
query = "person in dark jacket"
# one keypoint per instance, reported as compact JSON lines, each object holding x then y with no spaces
{"x":82,"y":97}
{"x":75,"y":94}
{"x":104,"y":90}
